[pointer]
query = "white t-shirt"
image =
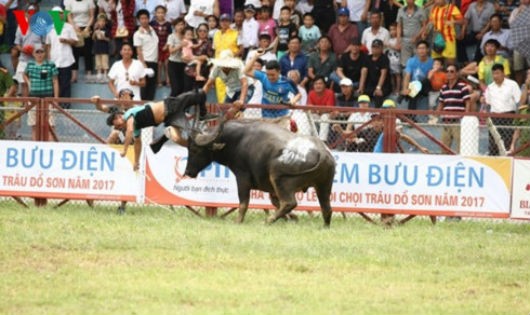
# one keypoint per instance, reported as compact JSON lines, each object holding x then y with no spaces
{"x":205,"y":6}
{"x":175,"y":8}
{"x":61,"y":53}
{"x":356,"y":8}
{"x":249,"y":34}
{"x":369,"y":37}
{"x":80,"y":11}
{"x":121,"y":76}
{"x":105,"y":6}
{"x":174,"y":40}
{"x":149,"y":42}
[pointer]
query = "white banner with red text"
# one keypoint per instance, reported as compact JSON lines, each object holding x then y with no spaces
{"x":66,"y":170}
{"x":364,"y":182}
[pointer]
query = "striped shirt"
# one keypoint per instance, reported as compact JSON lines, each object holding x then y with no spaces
{"x":439,"y":17}
{"x":454,"y":98}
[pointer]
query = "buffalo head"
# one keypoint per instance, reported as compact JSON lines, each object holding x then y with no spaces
{"x":201,"y":147}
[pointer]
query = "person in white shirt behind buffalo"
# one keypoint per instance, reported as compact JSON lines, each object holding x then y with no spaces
{"x":502,"y":96}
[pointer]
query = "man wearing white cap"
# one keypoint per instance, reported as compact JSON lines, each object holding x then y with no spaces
{"x":59,"y":48}
{"x":230,"y":70}
{"x":41,"y":77}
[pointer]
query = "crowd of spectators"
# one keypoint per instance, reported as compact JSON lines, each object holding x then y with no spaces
{"x":404,"y":50}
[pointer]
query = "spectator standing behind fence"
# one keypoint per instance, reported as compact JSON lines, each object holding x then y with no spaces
{"x":322,"y":62}
{"x":393,"y":55}
{"x":8,"y":88}
{"x":249,"y":36}
{"x":264,"y":43}
{"x":24,"y":49}
{"x":60,"y":52}
{"x":375,"y":31}
{"x":230,"y":71}
{"x":437,"y":78}
{"x":41,"y":78}
{"x":10,"y":25}
{"x":199,"y":10}
{"x":442,"y":19}
{"x":146,"y":44}
{"x":410,"y":19}
{"x":266,"y":22}
{"x":162,"y":29}
{"x":520,"y":63}
{"x":81,"y":16}
{"x":358,"y":13}
{"x":285,"y":30}
{"x":502,"y":35}
{"x":177,"y":78}
{"x":294,"y":59}
{"x":521,"y":135}
{"x":477,"y":24}
{"x":101,"y":38}
{"x":321,"y":95}
{"x":454,"y":98}
{"x":175,"y":9}
{"x":502,"y":97}
{"x":127,"y":73}
{"x":377,"y":81}
{"x":417,"y":69}
{"x":123,"y":22}
{"x":485,"y":72}
{"x":343,"y":32}
{"x":276,"y":89}
{"x":309,"y":33}
{"x":350,"y":64}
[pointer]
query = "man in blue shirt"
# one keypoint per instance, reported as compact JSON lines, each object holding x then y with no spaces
{"x":276,"y":88}
{"x":294,"y":59}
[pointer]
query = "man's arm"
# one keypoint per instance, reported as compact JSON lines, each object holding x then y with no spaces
{"x":96,"y":100}
{"x":137,"y":152}
{"x":249,"y":70}
{"x":243,"y":94}
{"x":128,"y":136}
{"x":362,"y":81}
{"x":112,"y":88}
{"x":406,"y":81}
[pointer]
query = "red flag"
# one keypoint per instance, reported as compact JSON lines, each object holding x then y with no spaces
{"x":22,"y":22}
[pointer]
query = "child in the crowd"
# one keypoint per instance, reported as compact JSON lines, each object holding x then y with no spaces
{"x":101,"y":37}
{"x":266,"y":22}
{"x":213,"y":25}
{"x":394,"y":56}
{"x":250,"y":29}
{"x":437,"y":79}
{"x":286,"y":30}
{"x":296,"y":16}
{"x":309,"y":33}
{"x":188,"y":45}
{"x":162,"y":29}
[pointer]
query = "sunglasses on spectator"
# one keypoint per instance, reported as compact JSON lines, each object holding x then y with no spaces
{"x":39,"y":51}
{"x":451,"y":70}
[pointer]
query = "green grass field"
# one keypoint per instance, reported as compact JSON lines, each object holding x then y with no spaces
{"x":77,"y":260}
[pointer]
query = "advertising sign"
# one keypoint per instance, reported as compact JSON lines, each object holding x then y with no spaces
{"x":66,"y":170}
{"x":394,"y":183}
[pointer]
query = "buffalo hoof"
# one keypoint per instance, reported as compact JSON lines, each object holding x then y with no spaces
{"x":121,"y":210}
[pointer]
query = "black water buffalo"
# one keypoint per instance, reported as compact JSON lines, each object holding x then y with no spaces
{"x":267,"y":157}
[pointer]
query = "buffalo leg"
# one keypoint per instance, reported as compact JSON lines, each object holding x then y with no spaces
{"x":244,"y":198}
{"x":323,"y":194}
{"x":285,"y":196}
{"x":276,"y":203}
